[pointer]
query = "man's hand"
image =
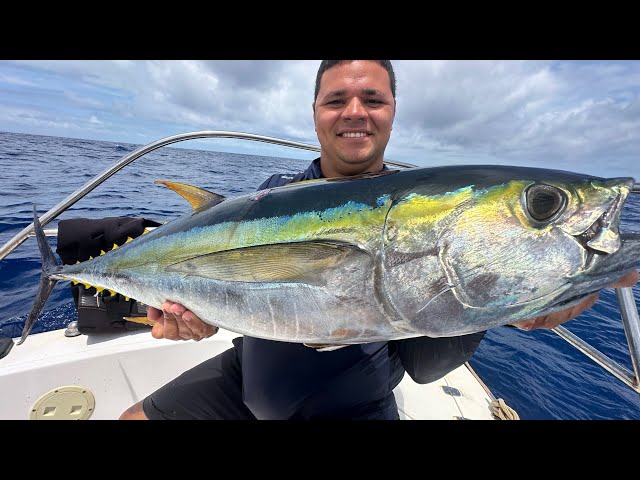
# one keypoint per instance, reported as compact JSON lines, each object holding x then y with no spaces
{"x":175,"y":322}
{"x":554,"y":319}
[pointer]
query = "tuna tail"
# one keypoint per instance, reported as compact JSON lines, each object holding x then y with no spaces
{"x":49,"y":265}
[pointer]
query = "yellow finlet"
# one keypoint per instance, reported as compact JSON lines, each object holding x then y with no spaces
{"x":143,"y":320}
{"x":197,"y":197}
{"x":114,"y":246}
{"x":102,"y":252}
{"x":129,"y":239}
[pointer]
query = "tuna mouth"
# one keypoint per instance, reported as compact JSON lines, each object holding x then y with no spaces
{"x":602,"y":237}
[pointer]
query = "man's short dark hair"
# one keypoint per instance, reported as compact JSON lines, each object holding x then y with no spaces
{"x":327,"y":64}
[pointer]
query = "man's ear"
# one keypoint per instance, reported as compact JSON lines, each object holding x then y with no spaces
{"x":313,"y":107}
{"x":395,"y":104}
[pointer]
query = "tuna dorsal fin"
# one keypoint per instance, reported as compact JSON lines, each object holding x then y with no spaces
{"x":197,"y":197}
{"x":281,"y":262}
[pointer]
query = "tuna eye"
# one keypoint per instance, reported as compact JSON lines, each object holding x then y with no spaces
{"x":544,"y":201}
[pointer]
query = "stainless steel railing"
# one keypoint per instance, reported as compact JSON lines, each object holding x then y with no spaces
{"x":626,"y":301}
{"x":127,"y":159}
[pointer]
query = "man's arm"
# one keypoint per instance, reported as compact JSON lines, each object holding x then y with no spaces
{"x":427,"y":359}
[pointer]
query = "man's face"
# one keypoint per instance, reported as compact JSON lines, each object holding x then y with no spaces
{"x":353,"y":117}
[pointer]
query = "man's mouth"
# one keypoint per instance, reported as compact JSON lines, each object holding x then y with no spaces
{"x":352,"y":134}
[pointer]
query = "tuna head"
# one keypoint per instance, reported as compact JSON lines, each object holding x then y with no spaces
{"x":487,"y":254}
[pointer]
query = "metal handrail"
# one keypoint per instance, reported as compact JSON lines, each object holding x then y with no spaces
{"x":626,"y":301}
{"x":631,"y":324}
{"x":127,"y":159}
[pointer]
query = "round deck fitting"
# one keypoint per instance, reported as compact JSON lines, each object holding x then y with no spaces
{"x":64,"y":403}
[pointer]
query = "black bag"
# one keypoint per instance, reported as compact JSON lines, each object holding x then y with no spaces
{"x":82,"y":238}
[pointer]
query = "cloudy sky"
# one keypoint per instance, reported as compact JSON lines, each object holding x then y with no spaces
{"x":572,"y":115}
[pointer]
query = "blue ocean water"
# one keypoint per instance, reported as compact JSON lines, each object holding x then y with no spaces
{"x":537,"y":373}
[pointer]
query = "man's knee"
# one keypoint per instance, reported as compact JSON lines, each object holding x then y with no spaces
{"x":134,"y":412}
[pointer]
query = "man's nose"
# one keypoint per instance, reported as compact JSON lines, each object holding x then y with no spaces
{"x":355,"y":109}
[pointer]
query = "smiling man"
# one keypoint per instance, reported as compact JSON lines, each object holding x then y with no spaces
{"x":353,"y":114}
{"x":354,"y":109}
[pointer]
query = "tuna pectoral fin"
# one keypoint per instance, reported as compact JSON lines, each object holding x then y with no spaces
{"x":49,"y":264}
{"x":197,"y":197}
{"x":282,"y":262}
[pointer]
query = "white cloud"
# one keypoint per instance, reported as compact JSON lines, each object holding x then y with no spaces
{"x":14,"y":80}
{"x":534,"y":112}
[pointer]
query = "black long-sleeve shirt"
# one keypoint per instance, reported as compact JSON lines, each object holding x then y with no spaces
{"x":289,"y":380}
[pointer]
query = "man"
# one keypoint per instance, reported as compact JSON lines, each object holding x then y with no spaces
{"x":354,"y":108}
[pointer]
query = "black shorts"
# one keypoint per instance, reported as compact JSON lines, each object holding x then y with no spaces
{"x":211,"y":390}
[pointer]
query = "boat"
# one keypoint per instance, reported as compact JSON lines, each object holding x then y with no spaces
{"x":68,"y":375}
{"x":60,"y":376}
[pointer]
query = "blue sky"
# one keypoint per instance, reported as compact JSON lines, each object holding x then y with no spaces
{"x":572,"y":115}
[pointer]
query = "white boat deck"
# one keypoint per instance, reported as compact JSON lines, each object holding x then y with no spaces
{"x":115,"y":371}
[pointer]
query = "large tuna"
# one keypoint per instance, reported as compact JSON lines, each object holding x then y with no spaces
{"x":439,"y":251}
